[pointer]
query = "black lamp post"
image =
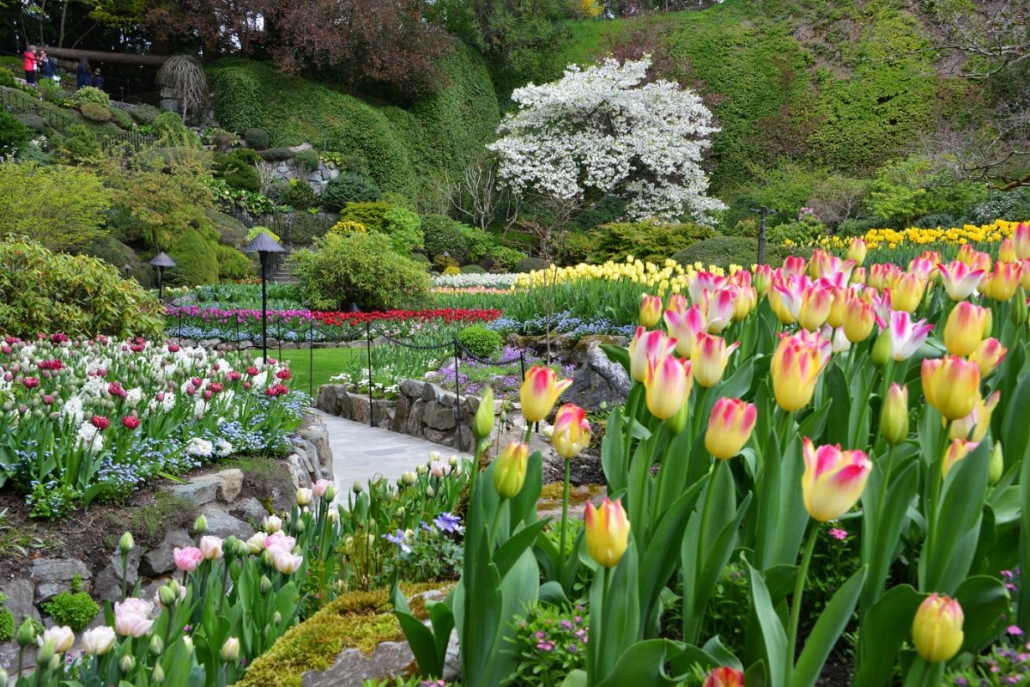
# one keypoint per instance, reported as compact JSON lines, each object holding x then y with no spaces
{"x":161,"y":261}
{"x":126,"y":270}
{"x":764,"y":212}
{"x":264,"y":245}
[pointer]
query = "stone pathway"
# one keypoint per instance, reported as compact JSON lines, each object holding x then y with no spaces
{"x":360,"y":452}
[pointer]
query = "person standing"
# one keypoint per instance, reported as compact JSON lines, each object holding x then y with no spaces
{"x":46,"y":67}
{"x":98,"y":80}
{"x":30,"y":65}
{"x":83,"y":73}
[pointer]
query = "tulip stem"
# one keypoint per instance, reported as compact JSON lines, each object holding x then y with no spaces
{"x":564,"y":522}
{"x":795,"y":602}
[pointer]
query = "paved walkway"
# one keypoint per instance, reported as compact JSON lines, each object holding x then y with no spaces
{"x":360,"y":452}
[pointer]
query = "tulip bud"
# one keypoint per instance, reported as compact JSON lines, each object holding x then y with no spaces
{"x":988,"y":356}
{"x":3,"y":678}
{"x":200,"y":524}
{"x":158,"y":675}
{"x":607,"y":532}
{"x":357,"y":488}
{"x":668,"y":383}
{"x":167,"y":596}
{"x":539,"y":392}
{"x":1019,"y":308}
{"x":510,"y":470}
{"x":230,"y":650}
{"x":303,"y":497}
{"x":965,"y":328}
{"x":894,"y":415}
{"x":724,"y":677}
{"x":881,"y":352}
{"x":26,"y":634}
{"x":571,"y":431}
{"x":937,"y":628}
{"x":951,"y":385}
{"x":650,"y":310}
{"x":126,"y":544}
{"x":46,"y":652}
{"x":430,"y":492}
{"x":157,"y":645}
{"x":997,"y":466}
{"x":483,"y":424}
{"x":277,"y":618}
{"x":408,"y":478}
{"x":957,"y":450}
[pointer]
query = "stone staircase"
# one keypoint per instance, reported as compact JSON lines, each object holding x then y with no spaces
{"x":283,"y":274}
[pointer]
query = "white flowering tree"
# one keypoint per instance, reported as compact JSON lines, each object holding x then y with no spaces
{"x":603,"y":128}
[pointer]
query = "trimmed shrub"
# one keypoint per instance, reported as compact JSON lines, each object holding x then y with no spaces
{"x":472,"y":269}
{"x":121,"y":118}
{"x":277,"y":154}
{"x":237,"y":171}
{"x":349,"y":188}
{"x":531,"y":265}
{"x":421,"y":259}
{"x":858,"y":227}
{"x":359,"y":268}
{"x":233,"y":264}
{"x":506,"y":258}
{"x":220,"y":138}
{"x":347,"y":226}
{"x":45,"y":291}
{"x":647,"y":241}
{"x":91,"y":95}
{"x":802,"y":232}
{"x":32,"y":121}
{"x":80,"y":145}
{"x":444,"y":235}
{"x":13,"y":134}
{"x":405,"y":230}
{"x":299,"y":196}
{"x":370,"y":214}
{"x":256,"y":138}
{"x":95,"y":112}
{"x":196,"y":260}
{"x":307,"y":160}
{"x":6,"y":77}
{"x":75,"y":610}
{"x":253,"y":233}
{"x":144,"y":115}
{"x":480,"y":341}
{"x":112,"y":251}
{"x":450,"y":271}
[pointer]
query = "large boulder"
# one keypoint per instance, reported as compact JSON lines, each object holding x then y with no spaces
{"x":599,"y":382}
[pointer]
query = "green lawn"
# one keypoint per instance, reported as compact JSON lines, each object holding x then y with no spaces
{"x":327,"y":362}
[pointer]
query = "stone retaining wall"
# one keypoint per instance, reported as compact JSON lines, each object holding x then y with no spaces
{"x":215,"y":495}
{"x":422,"y":409}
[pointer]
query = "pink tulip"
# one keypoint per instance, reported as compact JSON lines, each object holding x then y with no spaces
{"x":211,"y":547}
{"x":647,"y":346}
{"x":833,"y":480}
{"x":960,"y":280}
{"x":719,"y":307}
{"x":1021,"y":241}
{"x":285,"y":562}
{"x":319,"y":487}
{"x":907,"y":336}
{"x":684,"y":326}
{"x":132,"y":617}
{"x":187,"y":559}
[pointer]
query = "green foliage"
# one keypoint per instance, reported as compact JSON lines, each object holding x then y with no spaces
{"x":804,"y":231}
{"x":563,"y":630}
{"x":45,"y":291}
{"x":910,"y":188}
{"x":32,"y":121}
{"x":359,"y":268}
{"x":253,"y":234}
{"x":299,"y":195}
{"x":237,"y":170}
{"x":121,"y":118}
{"x":372,"y":215}
{"x":404,"y":229}
{"x":7,"y":78}
{"x":472,"y":269}
{"x":307,"y":227}
{"x":858,"y":227}
{"x":13,"y":134}
{"x":232,"y":263}
{"x":196,"y":259}
{"x":172,"y":133}
{"x":647,"y":241}
{"x":723,"y":251}
{"x":349,"y":188}
{"x":80,"y":146}
{"x":95,"y":112}
{"x":72,"y":609}
{"x":480,"y":341}
{"x":256,"y":138}
{"x":112,"y":251}
{"x":531,"y":265}
{"x":144,"y":115}
{"x":220,"y":138}
{"x":307,"y":160}
{"x":785,"y":188}
{"x":39,"y":204}
{"x":606,"y":210}
{"x":6,"y":617}
{"x":278,"y":154}
{"x":91,"y":95}
{"x":439,"y":132}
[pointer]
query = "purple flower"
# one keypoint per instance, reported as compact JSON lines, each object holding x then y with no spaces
{"x":1014,"y":630}
{"x":545,"y":646}
{"x":448,"y":522}
{"x":838,"y":533}
{"x":398,"y":539}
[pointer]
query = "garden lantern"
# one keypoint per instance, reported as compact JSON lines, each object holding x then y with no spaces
{"x":764,"y":212}
{"x":161,"y":261}
{"x":264,"y":245}
{"x":127,"y":270}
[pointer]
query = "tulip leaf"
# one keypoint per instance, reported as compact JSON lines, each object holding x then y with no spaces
{"x":673,"y":475}
{"x":839,"y":430}
{"x":522,"y":508}
{"x":1015,"y":430}
{"x":1023,"y":606}
{"x":577,"y":678}
{"x":878,"y":552}
{"x":722,"y":656}
{"x":827,"y":631}
{"x":948,"y":552}
{"x":553,"y":594}
{"x":884,"y":628}
{"x":510,"y":551}
{"x":774,"y":637}
{"x":617,"y":628}
{"x":737,"y":386}
{"x":642,"y":665}
{"x":617,"y":354}
{"x":612,"y":458}
{"x":423,"y":644}
{"x":984,"y":601}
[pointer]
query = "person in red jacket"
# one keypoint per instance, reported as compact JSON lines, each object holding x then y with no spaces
{"x":30,"y":64}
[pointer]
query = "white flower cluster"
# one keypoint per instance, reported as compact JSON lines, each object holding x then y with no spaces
{"x":467,"y":281}
{"x":90,"y":438}
{"x":604,"y":128}
{"x":200,"y":448}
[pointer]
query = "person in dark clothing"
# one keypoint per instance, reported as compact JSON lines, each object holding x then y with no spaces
{"x":83,"y":73}
{"x":46,"y":67}
{"x":98,"y":80}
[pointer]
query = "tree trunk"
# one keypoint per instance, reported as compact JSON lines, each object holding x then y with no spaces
{"x":98,"y":56}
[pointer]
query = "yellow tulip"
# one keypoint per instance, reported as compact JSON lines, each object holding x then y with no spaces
{"x":937,"y":628}
{"x":510,"y":470}
{"x":729,"y":427}
{"x":964,"y":329}
{"x":539,"y":392}
{"x":951,"y":385}
{"x":607,"y":532}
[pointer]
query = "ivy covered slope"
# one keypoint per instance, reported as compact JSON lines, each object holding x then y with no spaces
{"x":841,"y":84}
{"x":405,"y":150}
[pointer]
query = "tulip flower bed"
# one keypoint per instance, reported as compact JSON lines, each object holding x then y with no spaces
{"x":87,"y":419}
{"x":772,"y":415}
{"x":236,"y":324}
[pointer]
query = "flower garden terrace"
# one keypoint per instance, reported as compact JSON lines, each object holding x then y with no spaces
{"x":83,"y":419}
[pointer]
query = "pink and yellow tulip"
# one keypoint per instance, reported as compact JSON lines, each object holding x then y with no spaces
{"x":795,"y":369}
{"x":607,"y":532}
{"x":937,"y":628}
{"x":571,"y":431}
{"x":951,"y":385}
{"x":709,"y":358}
{"x":730,"y":427}
{"x":540,"y":391}
{"x":669,"y":381}
{"x":965,"y":328}
{"x":833,"y":480}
